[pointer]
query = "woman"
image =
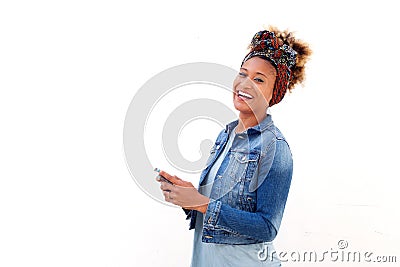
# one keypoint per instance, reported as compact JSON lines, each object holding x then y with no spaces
{"x":238,"y":208}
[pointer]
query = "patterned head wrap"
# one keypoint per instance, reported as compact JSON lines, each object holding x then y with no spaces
{"x":266,"y":45}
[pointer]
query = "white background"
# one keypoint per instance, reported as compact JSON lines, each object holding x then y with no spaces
{"x":69,"y":69}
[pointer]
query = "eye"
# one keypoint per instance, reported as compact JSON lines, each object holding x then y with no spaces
{"x":242,"y":74}
{"x":259,"y":80}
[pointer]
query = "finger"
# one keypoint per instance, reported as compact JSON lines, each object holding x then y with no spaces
{"x":166,"y":175}
{"x":166,"y":186}
{"x":160,"y":178}
{"x":169,"y":197}
{"x":166,"y":196}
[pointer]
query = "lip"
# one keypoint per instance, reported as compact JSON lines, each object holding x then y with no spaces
{"x":243,"y":95}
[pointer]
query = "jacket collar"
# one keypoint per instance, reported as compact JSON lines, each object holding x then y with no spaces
{"x":262,"y":126}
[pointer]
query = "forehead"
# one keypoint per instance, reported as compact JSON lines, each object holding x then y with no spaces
{"x":257,"y":64}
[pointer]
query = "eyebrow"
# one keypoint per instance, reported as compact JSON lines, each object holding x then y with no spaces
{"x":256,"y":72}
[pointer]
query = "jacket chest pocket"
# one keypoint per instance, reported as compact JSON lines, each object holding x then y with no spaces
{"x":245,"y":165}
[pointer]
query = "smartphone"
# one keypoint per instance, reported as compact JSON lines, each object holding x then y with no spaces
{"x":162,"y":177}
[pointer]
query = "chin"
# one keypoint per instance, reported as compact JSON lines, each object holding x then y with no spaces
{"x":242,"y":107}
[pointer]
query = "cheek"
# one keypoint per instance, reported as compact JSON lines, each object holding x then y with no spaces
{"x":266,"y":91}
{"x":236,"y":82}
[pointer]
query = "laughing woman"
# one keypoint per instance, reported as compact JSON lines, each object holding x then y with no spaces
{"x":237,"y":209}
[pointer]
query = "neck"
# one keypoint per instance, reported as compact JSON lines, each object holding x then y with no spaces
{"x":247,"y":120}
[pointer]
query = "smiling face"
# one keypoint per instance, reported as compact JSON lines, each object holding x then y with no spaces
{"x":253,"y":86}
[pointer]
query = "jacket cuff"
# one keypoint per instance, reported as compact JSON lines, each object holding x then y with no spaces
{"x":213,"y":211}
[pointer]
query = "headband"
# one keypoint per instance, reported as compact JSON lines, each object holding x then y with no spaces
{"x":266,"y":45}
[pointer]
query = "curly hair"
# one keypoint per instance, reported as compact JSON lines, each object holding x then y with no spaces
{"x":303,"y":54}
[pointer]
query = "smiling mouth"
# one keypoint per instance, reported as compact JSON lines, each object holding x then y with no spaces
{"x":243,"y":94}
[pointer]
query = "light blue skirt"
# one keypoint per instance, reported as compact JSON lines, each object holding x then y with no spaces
{"x":220,"y":255}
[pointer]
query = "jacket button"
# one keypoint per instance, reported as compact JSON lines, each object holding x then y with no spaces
{"x":218,"y":146}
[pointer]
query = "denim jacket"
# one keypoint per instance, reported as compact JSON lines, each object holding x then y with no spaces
{"x":251,"y":186}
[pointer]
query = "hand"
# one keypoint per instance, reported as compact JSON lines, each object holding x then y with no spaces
{"x":182,"y":193}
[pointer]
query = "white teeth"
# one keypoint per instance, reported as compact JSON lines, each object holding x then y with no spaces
{"x":240,"y":93}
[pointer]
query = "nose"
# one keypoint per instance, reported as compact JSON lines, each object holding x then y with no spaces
{"x":246,"y":83}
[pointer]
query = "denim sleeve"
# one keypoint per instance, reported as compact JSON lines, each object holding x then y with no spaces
{"x":272,"y":193}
